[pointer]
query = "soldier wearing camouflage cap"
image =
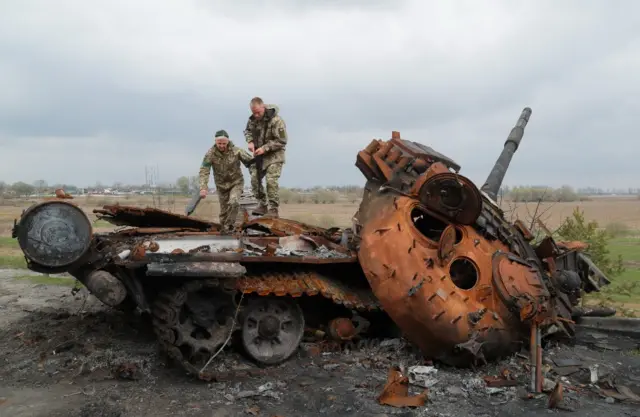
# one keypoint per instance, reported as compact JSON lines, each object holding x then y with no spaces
{"x":266,"y":134}
{"x":225,"y":158}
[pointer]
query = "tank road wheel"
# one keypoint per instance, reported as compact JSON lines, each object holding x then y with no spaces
{"x":272,"y":329}
{"x":193,"y":322}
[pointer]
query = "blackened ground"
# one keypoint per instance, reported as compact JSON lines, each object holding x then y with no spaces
{"x":65,"y":355}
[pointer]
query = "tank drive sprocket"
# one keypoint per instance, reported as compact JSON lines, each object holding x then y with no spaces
{"x":193,"y":321}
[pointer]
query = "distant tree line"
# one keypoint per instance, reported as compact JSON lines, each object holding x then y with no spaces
{"x":23,"y":189}
{"x":313,"y":195}
{"x":542,"y":194}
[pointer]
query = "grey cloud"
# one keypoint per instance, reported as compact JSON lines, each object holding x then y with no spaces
{"x":574,"y":63}
{"x":257,"y":7}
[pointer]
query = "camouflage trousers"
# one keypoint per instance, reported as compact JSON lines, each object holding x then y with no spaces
{"x":271,"y":176}
{"x":229,"y":205}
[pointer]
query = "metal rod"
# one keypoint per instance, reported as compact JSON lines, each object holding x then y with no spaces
{"x":193,"y":257}
{"x":532,"y":354}
{"x":538,"y":361}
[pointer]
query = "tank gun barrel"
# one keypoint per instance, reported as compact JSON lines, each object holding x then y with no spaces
{"x":496,"y":176}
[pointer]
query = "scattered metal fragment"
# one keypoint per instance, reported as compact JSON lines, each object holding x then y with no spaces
{"x":555,"y":399}
{"x":498,"y":382}
{"x":127,"y":371}
{"x":621,"y":393}
{"x":593,"y":369}
{"x":396,"y":391}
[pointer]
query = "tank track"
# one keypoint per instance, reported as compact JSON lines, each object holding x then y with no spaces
{"x":167,"y":307}
{"x":298,"y":283}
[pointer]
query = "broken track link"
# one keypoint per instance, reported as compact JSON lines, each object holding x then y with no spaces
{"x":167,"y":307}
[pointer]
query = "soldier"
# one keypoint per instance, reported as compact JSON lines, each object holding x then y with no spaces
{"x":266,"y":134}
{"x":225,"y":160}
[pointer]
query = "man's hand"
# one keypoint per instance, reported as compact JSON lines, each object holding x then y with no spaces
{"x":258,"y":151}
{"x":203,"y":193}
{"x":251,"y":147}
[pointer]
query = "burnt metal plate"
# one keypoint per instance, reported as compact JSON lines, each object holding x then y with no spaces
{"x":446,"y":247}
{"x":54,"y":233}
{"x":149,"y":217}
{"x":453,"y":196}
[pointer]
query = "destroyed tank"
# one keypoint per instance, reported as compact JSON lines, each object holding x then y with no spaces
{"x":428,"y":253}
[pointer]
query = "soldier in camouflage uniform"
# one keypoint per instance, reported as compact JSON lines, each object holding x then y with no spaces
{"x":266,"y":134}
{"x":224,"y":158}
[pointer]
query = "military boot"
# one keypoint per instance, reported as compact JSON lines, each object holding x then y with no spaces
{"x":273,"y":212}
{"x":261,"y":210}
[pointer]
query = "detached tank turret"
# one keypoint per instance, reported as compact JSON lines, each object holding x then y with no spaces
{"x":459,"y":280}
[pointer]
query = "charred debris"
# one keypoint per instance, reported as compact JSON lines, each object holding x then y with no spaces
{"x":429,"y":254}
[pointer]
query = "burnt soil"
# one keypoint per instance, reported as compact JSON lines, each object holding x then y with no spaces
{"x":69,"y":355}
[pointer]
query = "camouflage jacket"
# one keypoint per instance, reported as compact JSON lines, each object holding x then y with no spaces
{"x":270,"y":132}
{"x":225,"y":165}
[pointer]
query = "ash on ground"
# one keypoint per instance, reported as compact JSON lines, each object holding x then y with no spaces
{"x":66,"y":355}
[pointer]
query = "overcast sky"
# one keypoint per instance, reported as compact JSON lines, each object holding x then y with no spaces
{"x":94,"y":91}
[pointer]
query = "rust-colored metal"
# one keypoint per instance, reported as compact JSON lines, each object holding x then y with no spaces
{"x":60,"y":193}
{"x":138,"y":252}
{"x":573,"y":245}
{"x":556,"y":397}
{"x":307,"y":283}
{"x":497,"y":382}
{"x":446,"y":247}
{"x":283,"y":227}
{"x":342,"y":329}
{"x":396,"y":391}
{"x":149,"y":216}
{"x":443,"y":261}
{"x":406,"y":283}
{"x":141,"y":231}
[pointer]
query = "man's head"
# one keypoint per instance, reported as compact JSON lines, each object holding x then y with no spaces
{"x":222,"y":140}
{"x":257,"y":107}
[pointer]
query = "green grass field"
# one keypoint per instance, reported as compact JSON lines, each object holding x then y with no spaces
{"x":625,"y":288}
{"x":10,"y":254}
{"x":46,"y":280}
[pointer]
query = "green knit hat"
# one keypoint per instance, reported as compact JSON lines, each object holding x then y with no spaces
{"x":222,"y":134}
